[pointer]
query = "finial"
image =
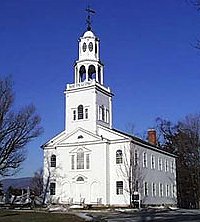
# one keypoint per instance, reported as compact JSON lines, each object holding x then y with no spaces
{"x":88,"y":20}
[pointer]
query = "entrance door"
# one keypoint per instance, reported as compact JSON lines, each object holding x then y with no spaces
{"x":65,"y":195}
{"x":94,"y":192}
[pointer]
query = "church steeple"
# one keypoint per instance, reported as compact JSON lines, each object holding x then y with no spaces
{"x":88,"y":66}
{"x":88,"y":101}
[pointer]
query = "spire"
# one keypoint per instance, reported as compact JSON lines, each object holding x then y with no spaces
{"x":89,"y":20}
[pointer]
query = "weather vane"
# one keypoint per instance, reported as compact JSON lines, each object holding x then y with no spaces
{"x":88,"y":20}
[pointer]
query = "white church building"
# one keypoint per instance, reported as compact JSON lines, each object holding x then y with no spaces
{"x":92,"y":163}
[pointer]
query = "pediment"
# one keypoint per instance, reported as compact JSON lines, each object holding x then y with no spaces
{"x":85,"y":150}
{"x":77,"y":136}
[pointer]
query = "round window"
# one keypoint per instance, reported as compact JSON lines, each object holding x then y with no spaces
{"x":84,"y":47}
{"x":90,"y":46}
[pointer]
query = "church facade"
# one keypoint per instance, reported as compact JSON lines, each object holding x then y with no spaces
{"x":90,"y":162}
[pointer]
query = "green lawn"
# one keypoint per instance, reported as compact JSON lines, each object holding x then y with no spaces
{"x":18,"y":216}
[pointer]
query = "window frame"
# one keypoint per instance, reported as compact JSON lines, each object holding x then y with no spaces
{"x":160,"y":164}
{"x":80,"y":159}
{"x":136,"y":158}
{"x":153,"y":162}
{"x":74,"y":114}
{"x":119,"y":156}
{"x":145,"y":159}
{"x":119,"y":187}
{"x":80,"y":112}
{"x":167,"y":190}
{"x":86,"y":113}
{"x":166,"y":165}
{"x":146,"y":189}
{"x":153,"y":189}
{"x":160,"y":189}
{"x":52,"y":190}
{"x":87,"y":156}
{"x":53,"y":160}
{"x":73,"y":162}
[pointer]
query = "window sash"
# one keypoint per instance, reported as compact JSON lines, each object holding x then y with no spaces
{"x":72,"y":162}
{"x":80,"y":160}
{"x":87,"y":161}
{"x":145,"y":160}
{"x":74,"y":114}
{"x":86,"y":113}
{"x":153,"y":189}
{"x":52,"y":188}
{"x":119,"y":187}
{"x":53,"y":161}
{"x":161,"y":190}
{"x":145,"y":189}
{"x":153,"y":162}
{"x":80,"y":112}
{"x":160,"y":164}
{"x":118,"y":157}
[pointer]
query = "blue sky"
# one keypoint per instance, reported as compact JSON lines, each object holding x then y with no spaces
{"x":146,"y":47}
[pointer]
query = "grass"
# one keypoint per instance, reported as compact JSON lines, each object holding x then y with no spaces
{"x":20,"y":216}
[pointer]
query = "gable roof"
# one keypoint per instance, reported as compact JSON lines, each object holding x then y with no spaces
{"x":78,"y":135}
{"x":144,"y":143}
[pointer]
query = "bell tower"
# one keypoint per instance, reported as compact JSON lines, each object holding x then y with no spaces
{"x":88,"y":101}
{"x":88,"y":65}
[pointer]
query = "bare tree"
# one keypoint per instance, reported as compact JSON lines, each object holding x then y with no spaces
{"x":183,"y":139}
{"x":131,"y":172}
{"x":37,"y":182}
{"x":17,"y":129}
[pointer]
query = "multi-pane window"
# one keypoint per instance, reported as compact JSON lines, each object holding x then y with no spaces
{"x":87,"y":161}
{"x":172,"y":166}
{"x":173,"y":190}
{"x":74,"y":114}
{"x":52,"y":188}
{"x":118,"y":156}
{"x":107,"y":115}
{"x":119,"y":187}
{"x":153,"y":189}
{"x":160,"y":163}
{"x":80,"y":112}
{"x":136,"y":158}
{"x":167,"y":190}
{"x":166,"y":165}
{"x":161,"y":190}
{"x":80,"y":159}
{"x":145,"y":189}
{"x":152,"y":162}
{"x":53,"y":160}
{"x":145,"y":159}
{"x":72,"y":162}
{"x":136,"y":187}
{"x":101,"y":113}
{"x":86,"y":113}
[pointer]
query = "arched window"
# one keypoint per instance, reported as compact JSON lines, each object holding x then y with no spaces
{"x":80,"y":179}
{"x":80,"y":159}
{"x":53,"y":160}
{"x":91,"y":72}
{"x":82,"y":73}
{"x":80,"y":112}
{"x":118,"y":157}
